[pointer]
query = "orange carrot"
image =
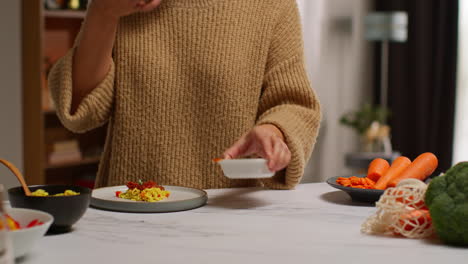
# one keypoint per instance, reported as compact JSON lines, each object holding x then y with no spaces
{"x":377,"y":168}
{"x":398,"y":166}
{"x":410,"y":200}
{"x":369,"y":181}
{"x":421,"y":168}
{"x":415,"y":218}
{"x":216,"y":160}
{"x":356,"y":182}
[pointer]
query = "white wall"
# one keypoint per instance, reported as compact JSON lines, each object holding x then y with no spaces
{"x":339,"y":62}
{"x":460,"y":146}
{"x":10,"y":89}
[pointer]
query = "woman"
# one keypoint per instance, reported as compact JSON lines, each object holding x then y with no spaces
{"x":183,"y":81}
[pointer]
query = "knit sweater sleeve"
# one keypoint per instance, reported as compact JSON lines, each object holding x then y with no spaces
{"x":94,"y":109}
{"x":287,"y":99}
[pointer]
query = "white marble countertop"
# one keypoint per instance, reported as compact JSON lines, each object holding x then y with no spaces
{"x":312,"y":224}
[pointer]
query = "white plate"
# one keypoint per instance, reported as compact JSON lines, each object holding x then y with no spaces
{"x":180,"y":199}
{"x":245,"y":168}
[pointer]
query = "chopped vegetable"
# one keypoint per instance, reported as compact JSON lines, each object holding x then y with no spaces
{"x":415,"y":218}
{"x":43,"y":193}
{"x":40,"y":192}
{"x":398,"y":166}
{"x":356,"y":182}
{"x":216,"y":160}
{"x":143,"y":185}
{"x":377,"y":168}
{"x":148,"y":191}
{"x":421,"y":168}
{"x":33,"y":223}
{"x":13,"y":225}
{"x":447,"y":199}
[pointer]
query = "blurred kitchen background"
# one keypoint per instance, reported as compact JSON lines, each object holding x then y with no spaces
{"x":425,"y":72}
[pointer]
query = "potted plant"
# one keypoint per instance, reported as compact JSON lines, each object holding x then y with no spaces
{"x":369,"y":122}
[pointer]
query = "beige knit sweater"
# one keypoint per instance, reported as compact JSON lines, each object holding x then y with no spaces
{"x":187,"y":80}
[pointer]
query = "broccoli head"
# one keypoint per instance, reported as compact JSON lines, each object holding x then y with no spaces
{"x":447,"y":200}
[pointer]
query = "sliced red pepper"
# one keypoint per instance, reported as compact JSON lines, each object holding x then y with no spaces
{"x":117,"y":193}
{"x":33,"y":223}
{"x":132,"y":185}
{"x":143,"y":185}
{"x":148,"y":185}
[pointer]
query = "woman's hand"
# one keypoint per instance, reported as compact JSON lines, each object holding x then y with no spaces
{"x":120,"y":8}
{"x":266,"y":141}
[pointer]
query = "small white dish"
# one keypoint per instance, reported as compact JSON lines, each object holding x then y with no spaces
{"x":246,"y":168}
{"x":24,"y":239}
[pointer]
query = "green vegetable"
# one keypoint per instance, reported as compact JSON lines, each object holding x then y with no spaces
{"x":447,"y":199}
{"x":362,"y":119}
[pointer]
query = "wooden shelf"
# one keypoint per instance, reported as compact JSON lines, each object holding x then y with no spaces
{"x":69,"y":164}
{"x":48,"y":35}
{"x":80,"y":14}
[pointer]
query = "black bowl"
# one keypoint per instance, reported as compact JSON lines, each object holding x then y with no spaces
{"x":66,"y":210}
{"x":363,"y":195}
{"x":359,"y":195}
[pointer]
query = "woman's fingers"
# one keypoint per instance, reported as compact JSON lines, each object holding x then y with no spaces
{"x":237,"y":149}
{"x":121,"y":8}
{"x":249,"y":144}
{"x":264,"y":142}
{"x":281,"y":156}
{"x":265,"y":148}
{"x":273,"y":157}
{"x":285,"y":158}
{"x":275,"y":160}
{"x":138,"y":4}
{"x":150,"y":5}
